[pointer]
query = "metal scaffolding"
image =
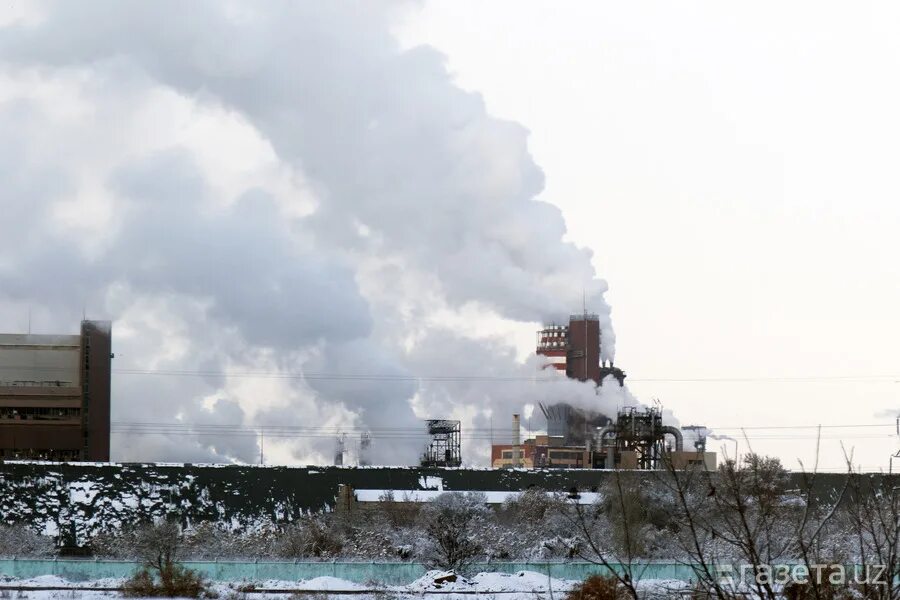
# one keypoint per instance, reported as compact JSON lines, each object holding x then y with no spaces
{"x":640,"y":433}
{"x":444,"y":450}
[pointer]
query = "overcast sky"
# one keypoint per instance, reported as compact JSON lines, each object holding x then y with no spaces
{"x":734,"y":167}
{"x":409,"y":189}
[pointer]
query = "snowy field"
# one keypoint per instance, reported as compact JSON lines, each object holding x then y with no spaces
{"x":524,"y":585}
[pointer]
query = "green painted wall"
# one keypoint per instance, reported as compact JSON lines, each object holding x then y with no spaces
{"x":358,"y":572}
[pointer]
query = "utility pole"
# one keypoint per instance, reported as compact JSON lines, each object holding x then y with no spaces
{"x":262,"y":443}
{"x":897,"y":453}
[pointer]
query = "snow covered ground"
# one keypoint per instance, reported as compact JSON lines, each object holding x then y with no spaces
{"x":524,"y":585}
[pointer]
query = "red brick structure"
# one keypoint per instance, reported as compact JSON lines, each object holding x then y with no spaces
{"x":575,"y":349}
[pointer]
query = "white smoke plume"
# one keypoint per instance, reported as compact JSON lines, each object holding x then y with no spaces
{"x":276,"y":188}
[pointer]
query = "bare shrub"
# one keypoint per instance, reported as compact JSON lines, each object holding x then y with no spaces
{"x":396,"y":513}
{"x":18,"y":540}
{"x":822,"y":589}
{"x":158,"y":547}
{"x":597,"y":587}
{"x":531,"y":506}
{"x":140,"y":585}
{"x":310,"y":537}
{"x":175,"y":581}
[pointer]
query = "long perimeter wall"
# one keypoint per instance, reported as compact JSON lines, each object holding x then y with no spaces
{"x":75,"y":501}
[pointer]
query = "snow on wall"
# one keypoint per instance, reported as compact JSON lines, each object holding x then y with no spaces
{"x":76,"y":501}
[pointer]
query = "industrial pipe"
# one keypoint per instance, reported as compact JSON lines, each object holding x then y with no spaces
{"x":605,"y":431}
{"x":610,"y":450}
{"x":676,"y":433}
{"x":516,"y":441}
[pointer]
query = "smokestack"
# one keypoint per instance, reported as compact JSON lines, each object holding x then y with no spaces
{"x":583,"y":348}
{"x":339,"y":450}
{"x":365,"y":442}
{"x":516,"y":441}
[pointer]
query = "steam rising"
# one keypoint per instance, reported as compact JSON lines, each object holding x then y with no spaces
{"x":277,"y":188}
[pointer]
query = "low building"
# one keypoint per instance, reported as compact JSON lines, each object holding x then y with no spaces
{"x":549,"y":452}
{"x":55,"y":395}
{"x":705,"y":461}
{"x":541,"y":451}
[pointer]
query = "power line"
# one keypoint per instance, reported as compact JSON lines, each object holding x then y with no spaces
{"x":848,"y":426}
{"x":335,"y":376}
{"x":337,"y":428}
{"x":463,"y":377}
{"x":801,"y":379}
{"x":249,"y":433}
{"x":390,"y":377}
{"x":416,"y":433}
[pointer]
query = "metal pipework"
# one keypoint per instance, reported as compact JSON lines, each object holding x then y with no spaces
{"x":676,"y":433}
{"x":610,"y":450}
{"x":605,"y":431}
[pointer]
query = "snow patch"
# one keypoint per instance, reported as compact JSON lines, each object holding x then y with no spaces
{"x":492,"y":497}
{"x":430,"y":482}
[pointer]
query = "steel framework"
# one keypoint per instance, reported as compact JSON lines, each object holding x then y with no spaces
{"x":444,"y":450}
{"x":639,"y":431}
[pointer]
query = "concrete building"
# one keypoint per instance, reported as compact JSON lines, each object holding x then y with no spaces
{"x":55,"y":395}
{"x":687,"y":459}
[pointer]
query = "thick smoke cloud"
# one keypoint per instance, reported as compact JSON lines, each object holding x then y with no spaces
{"x":403,"y":200}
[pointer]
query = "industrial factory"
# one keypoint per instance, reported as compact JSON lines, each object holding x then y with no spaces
{"x":578,"y":438}
{"x":55,"y":405}
{"x":637,"y":439}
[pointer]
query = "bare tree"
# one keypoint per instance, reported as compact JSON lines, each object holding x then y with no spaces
{"x":618,"y":508}
{"x":158,"y":547}
{"x":816,"y":514}
{"x":694,"y":514}
{"x":451,"y":522}
{"x":746,"y":514}
{"x":873,"y":511}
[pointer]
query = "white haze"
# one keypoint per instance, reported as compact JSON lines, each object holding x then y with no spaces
{"x":277,"y":188}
